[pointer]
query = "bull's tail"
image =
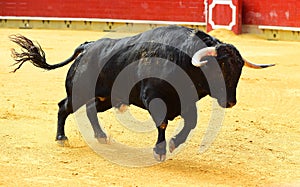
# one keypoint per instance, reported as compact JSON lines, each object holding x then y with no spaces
{"x":35,"y":54}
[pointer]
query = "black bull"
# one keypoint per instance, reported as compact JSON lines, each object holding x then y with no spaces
{"x":157,"y":59}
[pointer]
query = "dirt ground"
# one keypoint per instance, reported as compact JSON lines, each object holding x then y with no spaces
{"x":258,"y":145}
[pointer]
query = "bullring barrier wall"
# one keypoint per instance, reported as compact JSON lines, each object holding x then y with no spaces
{"x":278,"y":19}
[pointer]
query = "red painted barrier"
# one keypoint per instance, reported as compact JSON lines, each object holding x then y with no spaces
{"x":255,"y":12}
{"x":225,"y":14}
{"x":272,"y":13}
{"x":175,"y":10}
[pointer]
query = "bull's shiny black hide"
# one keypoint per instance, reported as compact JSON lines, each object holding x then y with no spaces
{"x":161,"y":53}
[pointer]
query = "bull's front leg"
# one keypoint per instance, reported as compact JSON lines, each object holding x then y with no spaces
{"x":158,"y":114}
{"x":190,"y":121}
{"x":159,"y":151}
{"x":158,"y":111}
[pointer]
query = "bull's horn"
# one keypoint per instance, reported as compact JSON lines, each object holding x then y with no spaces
{"x":208,"y":51}
{"x":256,"y":66}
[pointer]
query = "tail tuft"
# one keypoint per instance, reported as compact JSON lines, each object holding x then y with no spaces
{"x":30,"y":52}
{"x":34,"y":53}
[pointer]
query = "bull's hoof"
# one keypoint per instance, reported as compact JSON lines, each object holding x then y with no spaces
{"x":159,"y":157}
{"x":159,"y":152}
{"x":103,"y":140}
{"x":62,"y":141}
{"x":172,"y":146}
{"x":123,"y":108}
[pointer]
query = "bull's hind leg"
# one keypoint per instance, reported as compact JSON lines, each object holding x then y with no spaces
{"x":190,"y":121}
{"x":99,"y":105}
{"x":65,"y":109}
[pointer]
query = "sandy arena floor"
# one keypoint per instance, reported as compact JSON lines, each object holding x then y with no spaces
{"x":258,"y":145}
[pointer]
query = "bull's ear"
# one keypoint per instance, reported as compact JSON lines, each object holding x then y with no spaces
{"x":256,"y":66}
{"x":208,"y":51}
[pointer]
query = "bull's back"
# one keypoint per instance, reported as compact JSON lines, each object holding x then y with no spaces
{"x":106,"y":58}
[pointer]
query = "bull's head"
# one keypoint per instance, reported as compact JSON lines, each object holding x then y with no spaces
{"x":231,"y":64}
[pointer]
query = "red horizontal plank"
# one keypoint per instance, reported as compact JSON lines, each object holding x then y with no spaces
{"x":126,"y":9}
{"x":255,"y":12}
